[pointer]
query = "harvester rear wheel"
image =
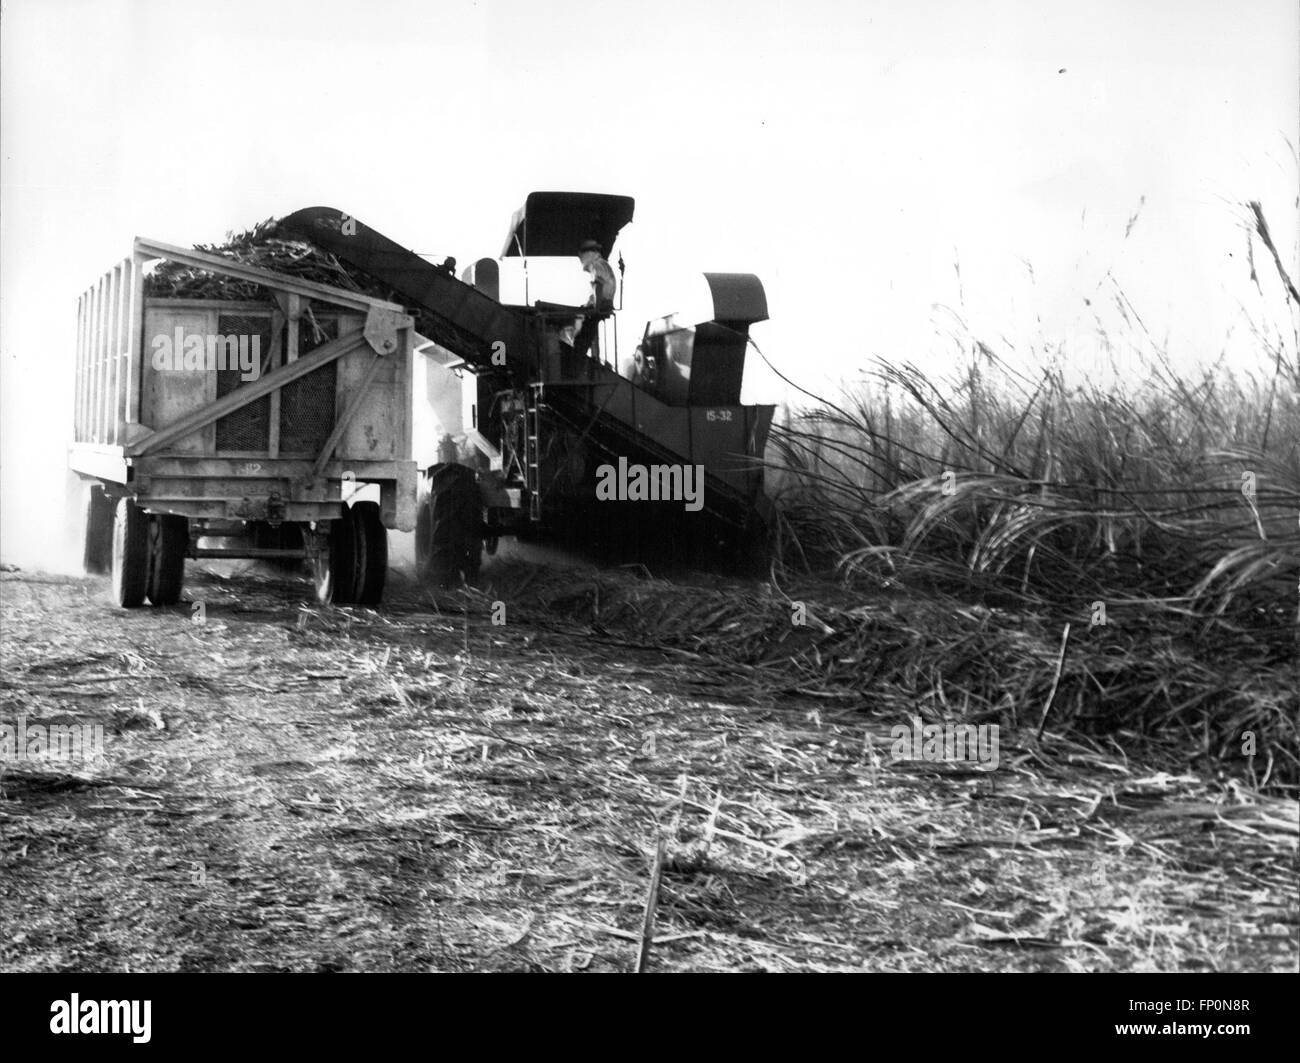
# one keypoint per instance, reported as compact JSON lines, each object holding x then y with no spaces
{"x":448,"y":547}
{"x":97,"y":557}
{"x":169,"y":537}
{"x":130,"y":554}
{"x":370,"y":544}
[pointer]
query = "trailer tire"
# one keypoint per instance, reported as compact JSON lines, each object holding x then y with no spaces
{"x":169,"y":538}
{"x":370,"y":539}
{"x":130,"y":554}
{"x":448,"y":547}
{"x":336,"y":576}
{"x":97,"y":557}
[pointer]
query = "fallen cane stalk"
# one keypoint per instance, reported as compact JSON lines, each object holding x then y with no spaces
{"x":651,"y":902}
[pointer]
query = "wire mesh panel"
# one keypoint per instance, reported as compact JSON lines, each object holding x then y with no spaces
{"x":307,"y":404}
{"x":241,"y":354}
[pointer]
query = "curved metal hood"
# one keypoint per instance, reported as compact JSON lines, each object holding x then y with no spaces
{"x":555,"y":223}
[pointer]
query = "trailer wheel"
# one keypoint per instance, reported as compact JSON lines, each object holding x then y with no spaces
{"x":97,"y":557}
{"x":130,"y":554}
{"x":336,"y":576}
{"x":370,"y":539}
{"x":448,"y":548}
{"x":169,"y":538}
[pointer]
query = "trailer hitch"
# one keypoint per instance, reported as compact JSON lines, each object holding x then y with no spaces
{"x":275,"y":507}
{"x":270,"y":508}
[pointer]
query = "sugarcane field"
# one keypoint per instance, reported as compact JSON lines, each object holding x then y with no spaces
{"x":833,"y":515}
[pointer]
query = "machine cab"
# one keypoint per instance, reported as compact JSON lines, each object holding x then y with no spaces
{"x":539,"y":268}
{"x":681,"y":362}
{"x":539,"y":262}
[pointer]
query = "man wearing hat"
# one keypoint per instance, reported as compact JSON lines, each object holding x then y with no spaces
{"x":601,"y":302}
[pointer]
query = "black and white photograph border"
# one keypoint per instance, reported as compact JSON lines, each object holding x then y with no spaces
{"x":677,"y":487}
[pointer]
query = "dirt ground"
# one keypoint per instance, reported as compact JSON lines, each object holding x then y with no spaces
{"x":286,"y":787}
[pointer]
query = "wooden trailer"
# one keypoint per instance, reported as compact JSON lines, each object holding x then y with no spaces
{"x":216,"y":428}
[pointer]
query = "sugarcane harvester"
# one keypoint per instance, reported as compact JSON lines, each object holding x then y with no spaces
{"x":460,"y":402}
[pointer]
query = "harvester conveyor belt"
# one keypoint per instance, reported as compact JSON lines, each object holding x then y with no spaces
{"x":468,"y":322}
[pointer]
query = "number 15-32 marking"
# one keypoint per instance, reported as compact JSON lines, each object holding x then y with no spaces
{"x":718,"y":415}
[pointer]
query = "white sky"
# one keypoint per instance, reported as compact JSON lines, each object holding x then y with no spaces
{"x":847,"y":152}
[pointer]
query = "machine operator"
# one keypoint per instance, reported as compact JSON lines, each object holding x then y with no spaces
{"x":601,"y":302}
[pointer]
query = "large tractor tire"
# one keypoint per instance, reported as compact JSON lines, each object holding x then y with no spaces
{"x":97,"y":557}
{"x":336,"y":576}
{"x":130,"y":554}
{"x":169,"y":538}
{"x":370,"y":546}
{"x":448,"y":545}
